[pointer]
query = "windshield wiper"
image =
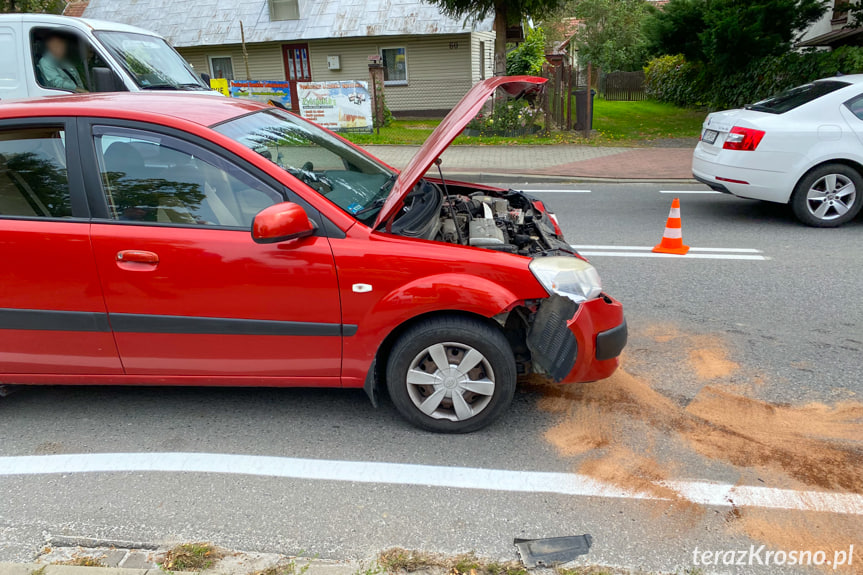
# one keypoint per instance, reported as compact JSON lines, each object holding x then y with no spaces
{"x":375,"y":205}
{"x":160,"y":87}
{"x":390,"y":181}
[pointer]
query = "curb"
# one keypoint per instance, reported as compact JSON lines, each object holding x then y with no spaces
{"x":33,"y":568}
{"x":510,"y":178}
{"x":314,"y":568}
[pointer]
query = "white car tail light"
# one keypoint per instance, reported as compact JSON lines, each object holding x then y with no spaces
{"x":743,"y":139}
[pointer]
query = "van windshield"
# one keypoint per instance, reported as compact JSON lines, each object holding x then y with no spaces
{"x":151,"y":62}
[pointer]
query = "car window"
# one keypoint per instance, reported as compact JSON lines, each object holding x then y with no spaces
{"x":63,"y":60}
{"x":33,"y":180}
{"x":856,"y":106}
{"x":796,"y":97}
{"x":149,"y":177}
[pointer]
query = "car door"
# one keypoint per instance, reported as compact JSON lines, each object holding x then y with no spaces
{"x":188,"y":292}
{"x":52,"y":315}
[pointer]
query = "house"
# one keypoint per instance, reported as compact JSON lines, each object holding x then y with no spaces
{"x":430,"y":60}
{"x":832,"y":30}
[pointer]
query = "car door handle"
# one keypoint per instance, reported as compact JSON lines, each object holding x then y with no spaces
{"x":138,"y":256}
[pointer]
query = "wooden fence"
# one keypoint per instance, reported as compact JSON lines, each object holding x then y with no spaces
{"x":622,"y":86}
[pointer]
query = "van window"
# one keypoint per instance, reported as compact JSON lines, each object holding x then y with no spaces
{"x":63,"y":60}
{"x":33,"y":179}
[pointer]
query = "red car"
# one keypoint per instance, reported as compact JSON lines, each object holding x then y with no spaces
{"x":127,"y":258}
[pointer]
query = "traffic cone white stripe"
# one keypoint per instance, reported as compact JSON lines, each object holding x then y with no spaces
{"x":673,"y":233}
{"x":675,"y":213}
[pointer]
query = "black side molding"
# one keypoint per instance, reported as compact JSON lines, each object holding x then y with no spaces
{"x":610,"y":343}
{"x":53,"y":320}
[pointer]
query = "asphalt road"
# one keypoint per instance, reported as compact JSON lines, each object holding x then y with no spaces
{"x":793,"y":319}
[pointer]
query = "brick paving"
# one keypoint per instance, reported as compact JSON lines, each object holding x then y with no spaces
{"x":558,"y":160}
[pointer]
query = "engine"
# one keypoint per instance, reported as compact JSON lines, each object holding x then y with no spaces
{"x":506,"y":221}
{"x":509,"y":222}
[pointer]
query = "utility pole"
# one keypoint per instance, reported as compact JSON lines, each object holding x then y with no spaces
{"x":245,"y":52}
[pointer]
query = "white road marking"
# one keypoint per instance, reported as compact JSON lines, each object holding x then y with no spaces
{"x":694,"y":253}
{"x":558,"y":191}
{"x":689,"y":192}
{"x":689,"y":256}
{"x":648,"y":248}
{"x":701,"y":492}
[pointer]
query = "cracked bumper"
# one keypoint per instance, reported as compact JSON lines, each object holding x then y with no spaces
{"x":600,"y":332}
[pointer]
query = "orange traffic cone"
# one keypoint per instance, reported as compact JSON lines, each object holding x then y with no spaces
{"x":672,"y":239}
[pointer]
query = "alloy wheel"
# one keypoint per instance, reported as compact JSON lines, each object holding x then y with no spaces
{"x":831,"y":196}
{"x":450,"y":381}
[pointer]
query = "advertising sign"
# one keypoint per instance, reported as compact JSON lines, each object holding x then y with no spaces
{"x":220,"y":85}
{"x":341,"y":106}
{"x":262,"y":90}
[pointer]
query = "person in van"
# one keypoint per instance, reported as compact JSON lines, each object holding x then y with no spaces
{"x":55,"y":67}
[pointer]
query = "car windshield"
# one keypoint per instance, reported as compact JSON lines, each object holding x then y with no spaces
{"x":350,"y":179}
{"x":151,"y":62}
{"x":796,"y":97}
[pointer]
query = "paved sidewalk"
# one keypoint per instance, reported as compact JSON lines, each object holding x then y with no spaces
{"x":564,"y":161}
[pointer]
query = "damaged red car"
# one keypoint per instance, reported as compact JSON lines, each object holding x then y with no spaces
{"x":168,"y":239}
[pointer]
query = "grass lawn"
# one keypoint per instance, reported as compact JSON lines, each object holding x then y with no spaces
{"x":615,"y":124}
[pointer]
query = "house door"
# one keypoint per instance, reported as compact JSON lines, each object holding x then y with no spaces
{"x":297,"y":69}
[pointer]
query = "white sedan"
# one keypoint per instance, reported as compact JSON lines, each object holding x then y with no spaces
{"x":803,"y":147}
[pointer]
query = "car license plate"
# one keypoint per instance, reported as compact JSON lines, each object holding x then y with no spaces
{"x":709,"y":136}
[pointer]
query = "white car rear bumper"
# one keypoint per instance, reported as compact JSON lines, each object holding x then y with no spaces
{"x":718,"y":172}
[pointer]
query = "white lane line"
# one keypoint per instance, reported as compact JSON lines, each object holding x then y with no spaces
{"x":648,"y":248}
{"x":707,"y":493}
{"x":559,"y":191}
{"x":689,"y":192}
{"x":689,"y":256}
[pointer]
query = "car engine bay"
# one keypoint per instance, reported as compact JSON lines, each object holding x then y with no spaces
{"x":506,"y":221}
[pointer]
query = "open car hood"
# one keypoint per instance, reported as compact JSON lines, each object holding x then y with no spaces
{"x":446,"y":132}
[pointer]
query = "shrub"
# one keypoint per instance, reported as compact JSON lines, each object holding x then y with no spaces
{"x":529,"y":56}
{"x":674,"y":80}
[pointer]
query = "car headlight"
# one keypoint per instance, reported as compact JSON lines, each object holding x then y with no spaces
{"x":567,"y":276}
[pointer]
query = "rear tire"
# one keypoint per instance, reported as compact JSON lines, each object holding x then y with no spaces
{"x":451,"y":374}
{"x":828,"y":196}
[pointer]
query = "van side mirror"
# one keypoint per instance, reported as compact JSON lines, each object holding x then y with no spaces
{"x":106,"y":80}
{"x":280,"y":223}
{"x":206,"y":78}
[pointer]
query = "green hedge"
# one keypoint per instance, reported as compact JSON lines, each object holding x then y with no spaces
{"x":672,"y":79}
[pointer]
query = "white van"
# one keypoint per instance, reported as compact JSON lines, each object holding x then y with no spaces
{"x":43,"y":55}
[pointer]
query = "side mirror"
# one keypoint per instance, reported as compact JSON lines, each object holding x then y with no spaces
{"x":281,"y":222}
{"x":206,"y":78}
{"x":106,"y":80}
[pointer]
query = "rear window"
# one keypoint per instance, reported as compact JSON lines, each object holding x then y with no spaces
{"x":796,"y":97}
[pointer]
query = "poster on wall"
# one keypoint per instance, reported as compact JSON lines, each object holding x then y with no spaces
{"x":342,"y":106}
{"x":262,"y":90}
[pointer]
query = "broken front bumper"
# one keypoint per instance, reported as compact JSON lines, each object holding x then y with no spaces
{"x":577,"y":343}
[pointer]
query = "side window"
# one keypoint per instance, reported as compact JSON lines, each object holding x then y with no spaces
{"x":150,"y":177}
{"x":856,"y":106}
{"x":33,"y":180}
{"x":62,"y":59}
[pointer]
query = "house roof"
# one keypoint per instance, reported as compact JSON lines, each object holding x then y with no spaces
{"x":215,"y":22}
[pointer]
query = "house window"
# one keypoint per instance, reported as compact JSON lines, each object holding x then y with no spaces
{"x":395,"y":66}
{"x":284,"y":9}
{"x":482,"y":60}
{"x":222,"y":67}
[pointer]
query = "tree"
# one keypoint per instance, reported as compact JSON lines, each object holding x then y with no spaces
{"x":506,"y":12}
{"x":611,"y":35}
{"x":44,"y":6}
{"x":730,"y":33}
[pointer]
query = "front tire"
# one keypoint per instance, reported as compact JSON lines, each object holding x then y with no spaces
{"x":451,"y":374}
{"x":828,"y":196}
